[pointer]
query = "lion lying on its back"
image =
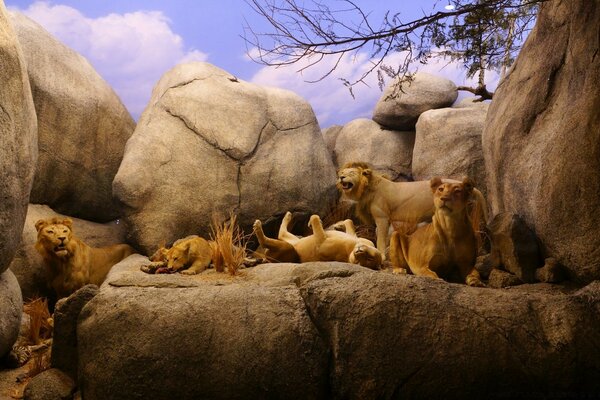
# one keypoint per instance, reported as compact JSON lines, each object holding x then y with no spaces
{"x":320,"y":246}
{"x":382,"y":202}
{"x":71,"y":263}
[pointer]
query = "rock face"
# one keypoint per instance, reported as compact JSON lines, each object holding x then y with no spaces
{"x":18,"y":149}
{"x":83,"y":127}
{"x":425,"y":92}
{"x":208,"y":142}
{"x":448,"y":144}
{"x":332,"y":331}
{"x":11,"y":310}
{"x":542,"y":132}
{"x":390,"y":152}
{"x":28,"y":264}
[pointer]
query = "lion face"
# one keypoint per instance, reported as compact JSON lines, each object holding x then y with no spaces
{"x":352,"y":181}
{"x":451,"y":197}
{"x":177,"y":258}
{"x":55,"y":236}
{"x":367,"y":256}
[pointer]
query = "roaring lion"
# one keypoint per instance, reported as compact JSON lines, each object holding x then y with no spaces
{"x":447,"y":247}
{"x":192,"y":252}
{"x":382,"y":202}
{"x":70,"y":262}
{"x":330,"y":245}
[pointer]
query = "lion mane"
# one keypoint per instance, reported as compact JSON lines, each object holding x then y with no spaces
{"x":382,"y":202}
{"x":70,"y":263}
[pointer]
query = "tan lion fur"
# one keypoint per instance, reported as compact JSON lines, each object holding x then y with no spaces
{"x":383,"y":202}
{"x":192,"y":252}
{"x":330,"y":245}
{"x":447,"y":247}
{"x":70,"y":262}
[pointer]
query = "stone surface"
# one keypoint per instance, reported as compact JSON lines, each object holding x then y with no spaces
{"x":425,"y":92}
{"x":499,"y":279}
{"x":52,"y":384}
{"x":18,"y":143}
{"x":390,"y":152}
{"x":330,"y":136}
{"x":542,"y":133}
{"x":11,"y":311}
{"x":514,"y":246}
{"x":83,"y":127}
{"x":28,"y":265}
{"x":469,"y":102}
{"x":64,"y":342}
{"x":551,"y":272}
{"x":448,"y":144}
{"x":210,"y":143}
{"x":332,"y":331}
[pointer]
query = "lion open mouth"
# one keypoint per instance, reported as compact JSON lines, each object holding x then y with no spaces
{"x":346,"y":185}
{"x":60,"y":250}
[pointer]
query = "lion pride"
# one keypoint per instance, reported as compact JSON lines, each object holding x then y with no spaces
{"x":382,"y":202}
{"x":447,"y":247}
{"x":72,"y":264}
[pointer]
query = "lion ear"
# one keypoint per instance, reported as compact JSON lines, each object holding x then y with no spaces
{"x":434,"y":183}
{"x":68,"y":222}
{"x":40,"y":224}
{"x":367,"y":172}
{"x":468,"y":185}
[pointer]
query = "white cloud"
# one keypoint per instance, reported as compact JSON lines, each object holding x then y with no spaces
{"x":131,"y":51}
{"x":332,"y":101}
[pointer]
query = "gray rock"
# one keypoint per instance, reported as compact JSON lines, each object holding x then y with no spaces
{"x":541,"y":136}
{"x":332,"y":330}
{"x":11,"y":311}
{"x":425,"y":92}
{"x":64,"y":342}
{"x":28,"y":265}
{"x":448,"y":144}
{"x":52,"y":384}
{"x":470,"y":102}
{"x":390,"y":152}
{"x":83,"y":127}
{"x":18,"y":152}
{"x":330,"y":135}
{"x":211,"y":143}
{"x":499,"y":279}
{"x":514,"y":246}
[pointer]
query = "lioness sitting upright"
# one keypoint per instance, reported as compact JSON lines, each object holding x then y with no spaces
{"x":447,"y":247}
{"x":70,"y":262}
{"x":381,"y":201}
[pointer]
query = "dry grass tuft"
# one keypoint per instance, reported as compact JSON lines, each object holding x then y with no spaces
{"x":40,"y":327}
{"x":228,"y":244}
{"x":337,"y":211}
{"x":39,"y":363}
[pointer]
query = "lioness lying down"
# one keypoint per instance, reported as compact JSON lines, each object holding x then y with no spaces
{"x":447,"y":247}
{"x":382,"y":202}
{"x":321,"y":245}
{"x":72,"y":264}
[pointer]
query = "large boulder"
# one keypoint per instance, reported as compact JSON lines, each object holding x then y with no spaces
{"x":18,"y":149}
{"x":28,"y":265}
{"x":11,"y":311}
{"x":448,"y":144}
{"x":542,"y":132}
{"x":400,"y":108}
{"x":83,"y":127}
{"x":332,"y":331}
{"x":390,"y":152}
{"x":210,"y":143}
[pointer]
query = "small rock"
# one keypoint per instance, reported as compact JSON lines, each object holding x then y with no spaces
{"x":52,"y":384}
{"x":499,"y":279}
{"x":484,"y":265}
{"x":551,"y":272}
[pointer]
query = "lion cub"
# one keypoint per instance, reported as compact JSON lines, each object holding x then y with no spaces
{"x":193,"y":252}
{"x":448,"y":245}
{"x":72,"y":264}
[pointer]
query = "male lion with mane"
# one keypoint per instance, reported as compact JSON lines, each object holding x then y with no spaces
{"x":447,"y":247}
{"x":381,"y":201}
{"x":72,"y":264}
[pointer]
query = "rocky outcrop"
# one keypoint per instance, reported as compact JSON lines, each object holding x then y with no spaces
{"x":390,"y":152}
{"x":83,"y":127}
{"x":211,"y":143}
{"x":11,"y":310}
{"x":400,"y":109}
{"x":332,"y":330}
{"x":18,"y":129}
{"x":448,"y":144}
{"x":28,"y":265}
{"x":542,"y":132}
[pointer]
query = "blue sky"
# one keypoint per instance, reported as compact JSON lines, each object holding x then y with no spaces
{"x":132,"y":43}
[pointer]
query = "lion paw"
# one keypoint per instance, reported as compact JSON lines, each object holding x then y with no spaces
{"x":475,"y":282}
{"x":257,"y":224}
{"x":400,"y":271}
{"x":188,"y":272}
{"x":287,"y":218}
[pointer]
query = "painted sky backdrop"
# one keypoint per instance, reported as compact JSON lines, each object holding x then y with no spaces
{"x":132,"y":43}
